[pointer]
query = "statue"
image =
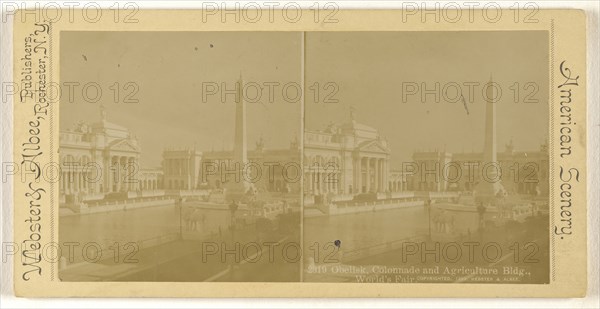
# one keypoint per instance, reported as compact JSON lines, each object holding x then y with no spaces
{"x":260,"y":145}
{"x":294,"y":144}
{"x":102,"y":113}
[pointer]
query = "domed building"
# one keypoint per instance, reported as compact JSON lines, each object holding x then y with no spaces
{"x":97,"y":158}
{"x":350,"y":158}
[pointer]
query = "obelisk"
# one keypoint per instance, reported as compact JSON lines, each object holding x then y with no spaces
{"x":237,"y":185}
{"x":489,"y":184}
{"x":489,"y":146}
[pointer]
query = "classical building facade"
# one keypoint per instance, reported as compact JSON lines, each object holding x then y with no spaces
{"x":102,"y":158}
{"x":150,"y":179}
{"x":522,"y":172}
{"x":398,"y":181}
{"x":275,"y":170}
{"x":351,"y":158}
{"x":98,"y":158}
{"x":181,"y":168}
{"x":488,"y":173}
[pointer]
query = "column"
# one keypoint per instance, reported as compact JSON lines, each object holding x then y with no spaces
{"x":70,"y":181}
{"x":131,"y":177}
{"x":91,"y":179}
{"x":337,"y":181}
{"x":116,"y":168}
{"x":358,"y":174}
{"x":82,"y":182}
{"x":72,"y":184}
{"x":376,"y":176}
{"x":379,"y":175}
{"x":312,"y":182}
{"x":383,"y":185}
{"x":76,"y":176}
{"x":119,"y":174}
{"x":85,"y":181}
{"x":135,"y":174}
{"x":123,"y":173}
{"x":189,"y":173}
{"x":333,"y":180}
{"x":375,"y":184}
{"x":66,"y":182}
{"x":317,"y":182}
{"x":107,"y":174}
{"x":126,"y":176}
{"x":304,"y":180}
{"x":79,"y":185}
{"x":62,"y":182}
{"x":386,"y":174}
{"x":112,"y":168}
{"x":114,"y":178}
{"x":368,"y":175}
{"x":359,"y":180}
{"x":321,"y":186}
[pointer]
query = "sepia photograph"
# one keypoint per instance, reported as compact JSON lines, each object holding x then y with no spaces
{"x":432,"y":164}
{"x":187,"y":168}
{"x":300,"y":153}
{"x":425,"y":157}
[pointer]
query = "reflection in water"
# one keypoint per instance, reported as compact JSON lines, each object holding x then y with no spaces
{"x":364,"y":229}
{"x":135,"y":224}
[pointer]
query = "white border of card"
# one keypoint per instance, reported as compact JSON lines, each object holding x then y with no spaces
{"x":567,"y":53}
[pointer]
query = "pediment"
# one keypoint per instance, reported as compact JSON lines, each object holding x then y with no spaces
{"x":373,"y":146}
{"x":123,"y":145}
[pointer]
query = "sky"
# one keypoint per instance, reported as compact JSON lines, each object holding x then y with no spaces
{"x":170,"y":69}
{"x":370,"y":69}
{"x":366,"y":71}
